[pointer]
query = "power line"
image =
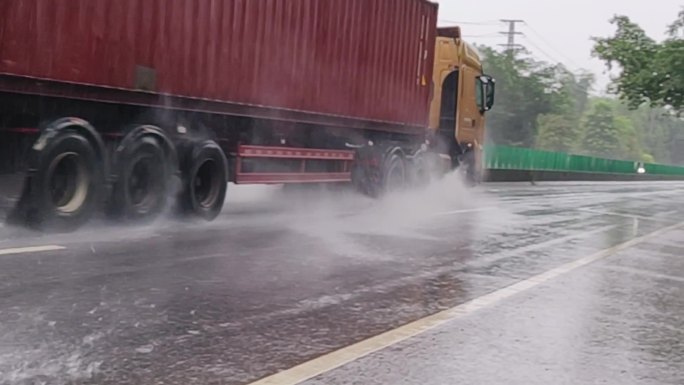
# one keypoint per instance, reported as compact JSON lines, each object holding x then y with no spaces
{"x":576,"y":87}
{"x":486,"y":35}
{"x":543,"y":52}
{"x":511,"y":47}
{"x":511,"y":34}
{"x":485,"y":22}
{"x":548,"y":44}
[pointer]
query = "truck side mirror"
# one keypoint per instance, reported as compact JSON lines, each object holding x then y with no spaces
{"x":486,"y":90}
{"x":491,"y":90}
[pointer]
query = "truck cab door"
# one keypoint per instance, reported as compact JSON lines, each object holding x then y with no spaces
{"x":448,"y":115}
{"x":449,"y":104}
{"x":470,"y":126}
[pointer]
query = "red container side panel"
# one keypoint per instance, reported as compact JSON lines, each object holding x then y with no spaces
{"x":366,"y":59}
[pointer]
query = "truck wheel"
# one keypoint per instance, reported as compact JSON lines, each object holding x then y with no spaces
{"x":420,"y":172}
{"x":367,"y":173}
{"x":468,"y":167}
{"x":206,"y":181}
{"x":376,"y":178}
{"x":369,"y":181}
{"x":141,"y":187}
{"x":66,"y":188}
{"x":395,"y":173}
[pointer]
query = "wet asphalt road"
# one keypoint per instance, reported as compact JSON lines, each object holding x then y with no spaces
{"x":282,"y":278}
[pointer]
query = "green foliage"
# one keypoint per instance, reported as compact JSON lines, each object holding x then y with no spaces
{"x":521,"y":97}
{"x":557,"y":133}
{"x":630,"y":147}
{"x":528,"y":89}
{"x":601,"y":136}
{"x":647,"y":134}
{"x":651,"y":72}
{"x":647,"y":158}
{"x":659,"y":132}
{"x":548,"y":107}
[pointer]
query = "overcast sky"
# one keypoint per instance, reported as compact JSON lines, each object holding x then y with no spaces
{"x":557,"y":30}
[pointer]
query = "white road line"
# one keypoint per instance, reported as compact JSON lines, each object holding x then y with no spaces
{"x":30,"y":249}
{"x":651,"y":274}
{"x":464,"y":211}
{"x":665,"y":243}
{"x":330,"y":361}
{"x":630,"y":216}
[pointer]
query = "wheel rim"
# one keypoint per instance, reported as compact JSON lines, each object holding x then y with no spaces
{"x":68,"y":182}
{"x":142,"y":182}
{"x":207,"y":184}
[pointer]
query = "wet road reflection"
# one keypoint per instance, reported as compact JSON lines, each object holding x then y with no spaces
{"x":281,"y":279}
{"x":595,"y":325}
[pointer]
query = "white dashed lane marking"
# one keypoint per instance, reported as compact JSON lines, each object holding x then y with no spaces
{"x":30,"y":249}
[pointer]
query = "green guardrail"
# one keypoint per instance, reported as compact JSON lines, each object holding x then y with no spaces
{"x":518,"y":158}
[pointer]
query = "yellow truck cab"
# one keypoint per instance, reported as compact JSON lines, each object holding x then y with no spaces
{"x":462,"y":94}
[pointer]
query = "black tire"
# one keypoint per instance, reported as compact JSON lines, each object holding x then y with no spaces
{"x":364,"y":181}
{"x":366,"y":177}
{"x":375,"y":181}
{"x":140,"y":190}
{"x":395,"y":175}
{"x":469,"y":169}
{"x":205,"y":178}
{"x":65,"y":190}
{"x":421,"y":173}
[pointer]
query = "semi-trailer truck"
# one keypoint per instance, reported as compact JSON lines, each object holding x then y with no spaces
{"x":104,"y":104}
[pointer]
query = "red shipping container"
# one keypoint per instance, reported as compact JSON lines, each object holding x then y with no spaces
{"x":366,"y":59}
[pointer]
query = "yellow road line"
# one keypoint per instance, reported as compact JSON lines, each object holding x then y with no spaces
{"x":335,"y":359}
